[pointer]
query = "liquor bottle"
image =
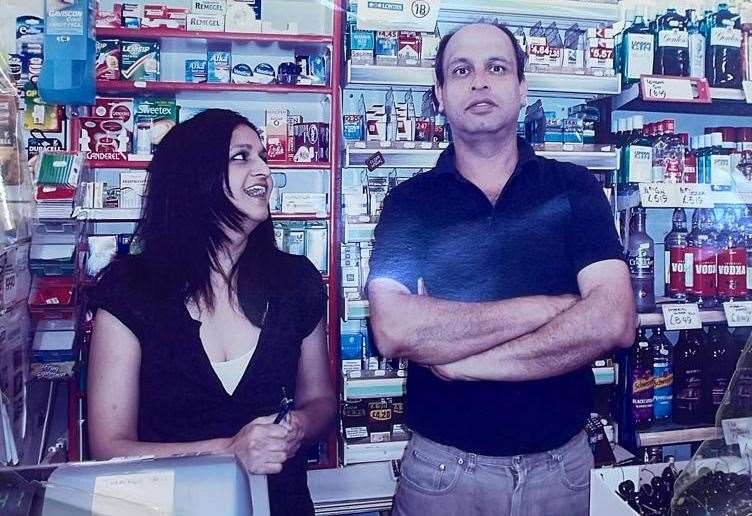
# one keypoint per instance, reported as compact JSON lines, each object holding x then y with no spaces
{"x":689,"y":174}
{"x":719,"y":162}
{"x":723,"y":56}
{"x":638,"y":46}
{"x":696,"y":45}
{"x":672,"y":51}
{"x":637,"y":154}
{"x":745,"y":228}
{"x":732,"y":261}
{"x":701,"y":259}
{"x":675,"y":249}
{"x":673,"y":153}
{"x":641,"y":261}
{"x":719,"y":365}
{"x":688,"y":377}
{"x":659,"y":151}
{"x":689,"y":275}
{"x":662,"y":374}
{"x":641,"y":382}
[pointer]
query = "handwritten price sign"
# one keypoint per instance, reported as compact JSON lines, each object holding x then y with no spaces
{"x":658,"y":195}
{"x":738,"y":313}
{"x":673,"y":89}
{"x":681,"y":317}
{"x":695,"y":196}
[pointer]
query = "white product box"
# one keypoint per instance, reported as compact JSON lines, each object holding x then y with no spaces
{"x":208,"y":7}
{"x":206,"y":22}
{"x":303,"y":202}
{"x":132,"y":187}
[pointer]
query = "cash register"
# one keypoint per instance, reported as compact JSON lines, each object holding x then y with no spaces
{"x":178,"y":486}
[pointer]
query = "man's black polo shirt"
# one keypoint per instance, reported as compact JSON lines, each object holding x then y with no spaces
{"x":550,"y":221}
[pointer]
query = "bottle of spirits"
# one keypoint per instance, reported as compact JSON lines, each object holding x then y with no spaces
{"x":723,"y":63}
{"x":701,"y":258}
{"x":719,"y":362}
{"x":637,"y":155}
{"x":696,"y":45}
{"x":641,"y":261}
{"x":675,"y":249}
{"x":672,"y":51}
{"x":688,"y":377}
{"x":638,"y":49}
{"x":732,"y":260}
{"x":719,"y":162}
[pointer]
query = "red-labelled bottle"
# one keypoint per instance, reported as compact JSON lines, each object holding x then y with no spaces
{"x":732,"y":261}
{"x":690,"y":160}
{"x":675,"y":251}
{"x":702,"y":260}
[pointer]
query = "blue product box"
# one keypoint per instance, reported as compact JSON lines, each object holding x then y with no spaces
{"x":195,"y":70}
{"x":218,"y":66}
{"x":361,"y":40}
{"x":350,"y":345}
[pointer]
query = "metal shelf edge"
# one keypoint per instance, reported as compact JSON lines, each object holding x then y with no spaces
{"x":677,"y":436}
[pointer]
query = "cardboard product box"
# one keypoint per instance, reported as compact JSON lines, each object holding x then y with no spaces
{"x":108,"y":59}
{"x":114,"y":108}
{"x":292,"y":121}
{"x":429,"y":45}
{"x":541,"y":55}
{"x":386,"y":47}
{"x":139,"y":60}
{"x":208,"y":7}
{"x":303,"y":202}
{"x":109,"y":19}
{"x":219,"y":66}
{"x":361,"y":44}
{"x":196,"y":70}
{"x":276,"y":134}
{"x":311,"y":142}
{"x":355,"y":421}
{"x":132,"y":188}
{"x":379,"y":416}
{"x":599,"y":55}
{"x":409,"y":48}
{"x":152,"y":119}
{"x":131,"y":15}
{"x":205,"y":22}
{"x":161,"y":16}
{"x":103,"y":139}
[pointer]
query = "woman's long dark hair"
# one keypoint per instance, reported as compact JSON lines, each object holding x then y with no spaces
{"x":187,"y":208}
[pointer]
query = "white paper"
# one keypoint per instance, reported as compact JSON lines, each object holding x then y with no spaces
{"x":407,"y":15}
{"x":681,"y":316}
{"x":154,"y":491}
{"x":733,"y":428}
{"x":738,"y":313}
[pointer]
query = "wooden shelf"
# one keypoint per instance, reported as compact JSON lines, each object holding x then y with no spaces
{"x":261,"y":37}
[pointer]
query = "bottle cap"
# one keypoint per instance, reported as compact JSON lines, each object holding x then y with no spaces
{"x":684,"y":139}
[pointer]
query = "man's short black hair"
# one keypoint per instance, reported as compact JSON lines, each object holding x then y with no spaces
{"x":519,"y":53}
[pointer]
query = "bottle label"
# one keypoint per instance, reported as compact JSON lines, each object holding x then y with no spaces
{"x":732,"y":273}
{"x":641,"y":261}
{"x":689,"y":268}
{"x":725,"y":37}
{"x":697,"y":55}
{"x":705,"y":269}
{"x":639,"y":164}
{"x":675,"y":271}
{"x":689,"y":389}
{"x":642,"y":394}
{"x":717,"y":390}
{"x":639,"y":55}
{"x":673,"y":38}
{"x":690,"y":173}
{"x":663,"y":389}
{"x":720,"y":169}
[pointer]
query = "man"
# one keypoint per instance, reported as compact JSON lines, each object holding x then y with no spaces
{"x":499,"y":275}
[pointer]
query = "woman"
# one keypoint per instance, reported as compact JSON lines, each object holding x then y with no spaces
{"x":198,"y":337}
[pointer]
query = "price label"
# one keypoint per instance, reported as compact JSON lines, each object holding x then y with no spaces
{"x":738,"y":313}
{"x":681,"y":317}
{"x":675,"y":89}
{"x":658,"y":195}
{"x":695,"y":196}
{"x":374,"y":161}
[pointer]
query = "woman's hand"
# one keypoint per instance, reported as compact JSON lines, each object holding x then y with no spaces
{"x":295,"y":423}
{"x":264,"y":447}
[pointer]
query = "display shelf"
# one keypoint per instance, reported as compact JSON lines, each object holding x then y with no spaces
{"x":300,"y":216}
{"x":142,"y":165}
{"x":107,"y":213}
{"x":373,"y":452}
{"x":631,"y":199}
{"x":661,"y":434}
{"x":706,"y":316}
{"x":383,"y":77}
{"x":725,"y":102}
{"x":586,"y":14}
{"x":353,"y":489}
{"x":425,"y":154}
{"x":164,"y":33}
{"x":176,"y":86}
{"x":372,"y":386}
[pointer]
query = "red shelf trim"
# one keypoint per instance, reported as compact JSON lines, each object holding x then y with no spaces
{"x":174,"y":86}
{"x":142,"y":165}
{"x":147,"y":32}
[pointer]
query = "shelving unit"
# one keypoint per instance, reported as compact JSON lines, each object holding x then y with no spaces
{"x":724,"y":102}
{"x":227,"y":37}
{"x":373,"y":452}
{"x":631,"y":199}
{"x":661,"y":434}
{"x":425,"y":154}
{"x":143,"y":165}
{"x":135,"y":87}
{"x":706,"y":316}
